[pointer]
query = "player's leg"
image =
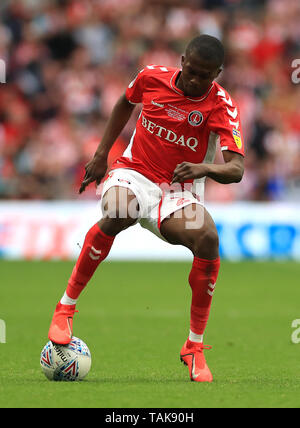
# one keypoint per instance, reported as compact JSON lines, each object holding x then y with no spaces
{"x":194,"y":228}
{"x":117,"y":202}
{"x":120,"y":212}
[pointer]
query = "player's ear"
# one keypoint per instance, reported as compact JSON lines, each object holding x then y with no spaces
{"x":182,"y":60}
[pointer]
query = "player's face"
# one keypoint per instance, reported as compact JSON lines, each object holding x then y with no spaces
{"x":197,"y":75}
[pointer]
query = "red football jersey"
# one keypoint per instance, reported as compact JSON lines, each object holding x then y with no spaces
{"x":173,"y":128}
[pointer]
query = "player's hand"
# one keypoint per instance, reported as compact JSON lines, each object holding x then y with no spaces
{"x":94,"y":171}
{"x":187,"y":171}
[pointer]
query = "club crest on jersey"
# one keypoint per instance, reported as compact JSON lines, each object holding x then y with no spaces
{"x":195,"y":118}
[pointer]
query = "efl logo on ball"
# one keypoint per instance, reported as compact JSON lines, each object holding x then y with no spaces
{"x":66,"y":362}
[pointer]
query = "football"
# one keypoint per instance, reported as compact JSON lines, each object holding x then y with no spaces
{"x":70,"y":362}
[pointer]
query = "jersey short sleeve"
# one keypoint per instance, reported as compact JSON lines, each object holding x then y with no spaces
{"x":134,"y":91}
{"x":225,"y":121}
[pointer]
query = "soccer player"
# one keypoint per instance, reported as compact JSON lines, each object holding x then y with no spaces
{"x":159,"y":180}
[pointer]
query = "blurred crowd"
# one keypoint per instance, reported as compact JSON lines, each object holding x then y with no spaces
{"x":68,"y":61}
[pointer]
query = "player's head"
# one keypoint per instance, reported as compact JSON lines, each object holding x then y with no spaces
{"x":201,"y":64}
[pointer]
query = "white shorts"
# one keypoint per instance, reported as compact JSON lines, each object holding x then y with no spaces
{"x":155,"y":203}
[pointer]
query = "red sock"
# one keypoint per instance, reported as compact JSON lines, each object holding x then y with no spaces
{"x":95,"y":249}
{"x":202,"y":280}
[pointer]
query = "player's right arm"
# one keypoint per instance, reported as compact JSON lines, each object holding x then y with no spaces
{"x":96,"y":168}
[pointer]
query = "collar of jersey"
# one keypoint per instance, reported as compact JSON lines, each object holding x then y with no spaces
{"x":180,"y":92}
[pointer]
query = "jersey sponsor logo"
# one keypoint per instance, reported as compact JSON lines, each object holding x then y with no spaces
{"x":169,"y":135}
{"x":237,"y":138}
{"x":195,"y":118}
{"x":157,"y":104}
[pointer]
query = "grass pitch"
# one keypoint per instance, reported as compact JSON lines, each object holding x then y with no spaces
{"x":135,"y":317}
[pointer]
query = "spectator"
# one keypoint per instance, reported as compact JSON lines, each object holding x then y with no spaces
{"x":68,"y":61}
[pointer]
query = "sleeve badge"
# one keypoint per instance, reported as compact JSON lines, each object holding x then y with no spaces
{"x":237,"y":138}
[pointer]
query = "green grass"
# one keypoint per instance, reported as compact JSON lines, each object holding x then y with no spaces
{"x":135,"y":317}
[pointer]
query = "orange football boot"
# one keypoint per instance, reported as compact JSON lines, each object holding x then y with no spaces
{"x":192,"y":356}
{"x":61,"y":328}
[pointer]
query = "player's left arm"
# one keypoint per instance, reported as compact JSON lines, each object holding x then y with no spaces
{"x":230,"y":172}
{"x":226,"y":123}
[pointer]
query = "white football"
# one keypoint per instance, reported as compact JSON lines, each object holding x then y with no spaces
{"x":66,"y":362}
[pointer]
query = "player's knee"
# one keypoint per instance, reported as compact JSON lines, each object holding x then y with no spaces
{"x":206,"y":243}
{"x":118,"y":216}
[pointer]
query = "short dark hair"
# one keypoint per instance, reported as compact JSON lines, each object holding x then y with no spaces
{"x":207,"y":47}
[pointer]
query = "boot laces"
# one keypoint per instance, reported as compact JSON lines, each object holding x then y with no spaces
{"x":201,"y":347}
